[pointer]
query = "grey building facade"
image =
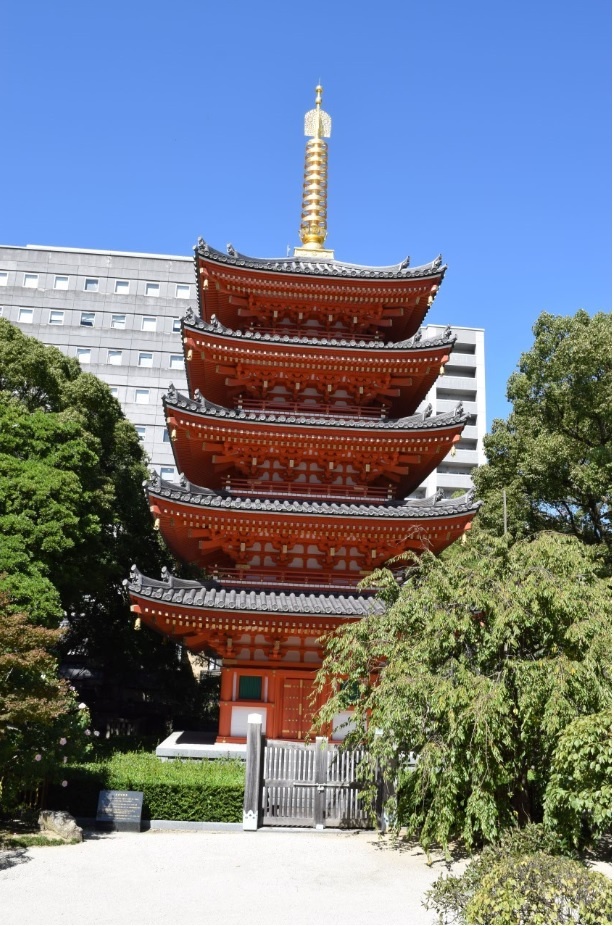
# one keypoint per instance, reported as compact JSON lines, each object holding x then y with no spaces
{"x":119,"y":314}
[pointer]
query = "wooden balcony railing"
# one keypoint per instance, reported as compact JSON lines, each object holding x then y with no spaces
{"x":310,"y":579}
{"x":322,"y":334}
{"x":352,"y":493}
{"x":283,"y":405}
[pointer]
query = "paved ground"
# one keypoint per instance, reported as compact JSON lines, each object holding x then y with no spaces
{"x":266,"y":877}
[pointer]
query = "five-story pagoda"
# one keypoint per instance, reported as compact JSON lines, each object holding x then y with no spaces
{"x":299,"y":444}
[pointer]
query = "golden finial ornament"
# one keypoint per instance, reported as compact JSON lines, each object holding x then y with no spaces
{"x":315,"y":185}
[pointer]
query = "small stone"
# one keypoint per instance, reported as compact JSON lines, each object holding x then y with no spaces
{"x":60,"y":823}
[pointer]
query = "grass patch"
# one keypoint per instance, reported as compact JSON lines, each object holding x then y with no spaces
{"x":34,"y":839}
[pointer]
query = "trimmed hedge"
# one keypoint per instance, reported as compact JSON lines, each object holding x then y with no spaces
{"x":207,"y":790}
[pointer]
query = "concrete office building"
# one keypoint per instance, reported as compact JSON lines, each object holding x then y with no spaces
{"x":119,"y":314}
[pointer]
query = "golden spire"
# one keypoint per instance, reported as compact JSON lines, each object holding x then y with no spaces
{"x":313,"y":216}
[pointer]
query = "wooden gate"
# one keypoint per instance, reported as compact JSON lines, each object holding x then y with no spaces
{"x":297,"y":784}
{"x":311,"y":785}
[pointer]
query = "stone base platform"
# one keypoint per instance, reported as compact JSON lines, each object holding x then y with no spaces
{"x":195,"y":745}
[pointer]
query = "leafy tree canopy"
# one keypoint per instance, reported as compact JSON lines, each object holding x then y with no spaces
{"x":476,"y":667}
{"x":73,"y":515}
{"x":553,"y":454}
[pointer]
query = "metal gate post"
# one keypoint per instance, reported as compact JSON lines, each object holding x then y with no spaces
{"x":321,"y":775}
{"x":252,"y":811}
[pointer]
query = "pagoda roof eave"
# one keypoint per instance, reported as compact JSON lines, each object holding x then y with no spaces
{"x":316,"y":267}
{"x":432,"y":508}
{"x":211,"y":597}
{"x":215,"y":327}
{"x":203,"y":408}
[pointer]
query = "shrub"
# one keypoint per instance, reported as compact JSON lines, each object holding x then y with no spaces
{"x":515,"y":882}
{"x":541,"y":889}
{"x":192,"y":790}
{"x":579,"y":793}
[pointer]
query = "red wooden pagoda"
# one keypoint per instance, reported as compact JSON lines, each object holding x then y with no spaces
{"x":299,"y":444}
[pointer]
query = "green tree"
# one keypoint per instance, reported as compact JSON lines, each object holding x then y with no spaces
{"x":553,"y":454}
{"x":41,"y":725}
{"x":73,"y":518}
{"x":476,"y":666}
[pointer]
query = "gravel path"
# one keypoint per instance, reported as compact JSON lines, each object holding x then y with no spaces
{"x":266,"y":877}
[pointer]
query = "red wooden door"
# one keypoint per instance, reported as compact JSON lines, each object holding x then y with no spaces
{"x":296,"y":714}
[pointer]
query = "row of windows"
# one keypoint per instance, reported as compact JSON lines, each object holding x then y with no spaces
{"x":88,"y":320}
{"x":115,"y":358}
{"x":92,"y":285}
{"x":142,"y":431}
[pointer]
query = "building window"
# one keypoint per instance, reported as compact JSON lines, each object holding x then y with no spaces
{"x":30,"y":280}
{"x":87,"y":319}
{"x":166,"y":438}
{"x":467,"y":372}
{"x":141,"y":430}
{"x":152,"y":289}
{"x":455,"y":469}
{"x":122,"y":287}
{"x":114,"y":390}
{"x":141,"y":396}
{"x":145,"y":359}
{"x":456,"y":395}
{"x":176,"y":324}
{"x":182,"y":291}
{"x":60,"y":283}
{"x":4,"y":277}
{"x":56,"y":317}
{"x":84,"y":354}
{"x":118,"y":321}
{"x":114,"y":357}
{"x":91,"y":285}
{"x":176,"y":362}
{"x":464,"y":348}
{"x":250,"y":688}
{"x":148,"y":323}
{"x":168,"y":472}
{"x":26,"y":316}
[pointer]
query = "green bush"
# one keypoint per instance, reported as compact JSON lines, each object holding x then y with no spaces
{"x":541,"y":889}
{"x":515,"y":882}
{"x":534,"y":837}
{"x":579,"y":792}
{"x":209,"y":791}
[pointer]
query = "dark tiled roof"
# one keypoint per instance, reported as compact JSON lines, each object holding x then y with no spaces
{"x":317,"y":267}
{"x":212,"y":596}
{"x":214,"y":326}
{"x":419,"y":422}
{"x":433,"y":507}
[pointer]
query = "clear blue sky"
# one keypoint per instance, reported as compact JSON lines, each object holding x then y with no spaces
{"x":477,"y":129}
